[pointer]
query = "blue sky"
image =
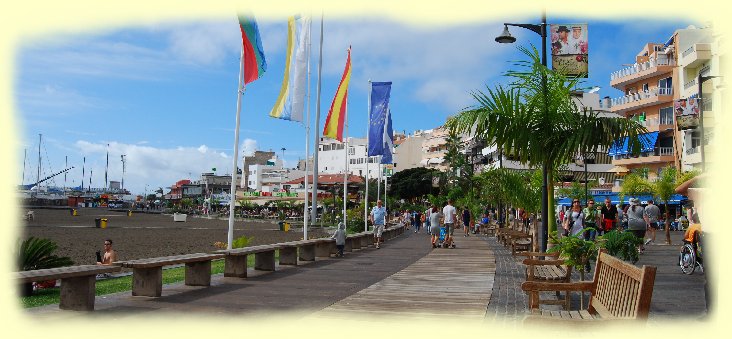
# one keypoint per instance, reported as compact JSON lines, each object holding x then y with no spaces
{"x":164,"y":94}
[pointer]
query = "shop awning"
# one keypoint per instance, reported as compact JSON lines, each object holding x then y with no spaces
{"x":619,"y":147}
{"x":648,"y":141}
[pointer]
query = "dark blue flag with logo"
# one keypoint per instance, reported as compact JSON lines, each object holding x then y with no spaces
{"x":388,"y":140}
{"x":377,"y":116}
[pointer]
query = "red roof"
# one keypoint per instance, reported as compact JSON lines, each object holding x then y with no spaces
{"x":328,"y":179}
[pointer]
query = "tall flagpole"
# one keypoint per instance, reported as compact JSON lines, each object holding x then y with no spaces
{"x":345,"y":171}
{"x":232,"y":200}
{"x":368,"y":130}
{"x":378,"y":189}
{"x":307,"y":145}
{"x":314,"y":215}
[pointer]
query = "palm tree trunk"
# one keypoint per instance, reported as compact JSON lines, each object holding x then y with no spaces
{"x":666,"y":223}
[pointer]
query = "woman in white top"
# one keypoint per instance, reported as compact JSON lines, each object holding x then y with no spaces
{"x":574,"y":218}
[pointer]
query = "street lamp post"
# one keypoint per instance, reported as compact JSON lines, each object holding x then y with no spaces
{"x":701,"y":79}
{"x":505,"y":38}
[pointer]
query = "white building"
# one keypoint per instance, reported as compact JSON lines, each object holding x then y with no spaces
{"x":270,"y":176}
{"x":332,"y":158}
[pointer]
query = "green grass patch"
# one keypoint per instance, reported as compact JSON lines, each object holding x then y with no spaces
{"x":48,"y":296}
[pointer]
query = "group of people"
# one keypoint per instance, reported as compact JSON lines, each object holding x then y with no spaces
{"x":635,"y":218}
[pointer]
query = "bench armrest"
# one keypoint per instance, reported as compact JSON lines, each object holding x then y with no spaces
{"x":538,"y":254}
{"x":536,"y":262}
{"x":582,"y":286}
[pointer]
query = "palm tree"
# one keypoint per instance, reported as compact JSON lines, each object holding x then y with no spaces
{"x":663,"y":188}
{"x":541,"y":128}
{"x":35,"y":254}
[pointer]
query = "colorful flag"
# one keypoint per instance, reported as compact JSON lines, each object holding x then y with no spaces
{"x":388,"y":140}
{"x":336,"y":115}
{"x":380,"y":92}
{"x":252,"y":52}
{"x":291,"y":101}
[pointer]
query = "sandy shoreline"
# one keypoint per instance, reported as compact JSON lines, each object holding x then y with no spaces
{"x":145,"y":235}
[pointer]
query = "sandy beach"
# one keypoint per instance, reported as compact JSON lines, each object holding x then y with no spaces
{"x":144,"y":235}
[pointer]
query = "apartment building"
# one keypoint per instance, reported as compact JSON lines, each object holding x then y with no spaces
{"x":332,"y":158}
{"x":698,"y":57}
{"x":271,"y":176}
{"x":408,"y":150}
{"x":648,"y":85}
{"x":662,"y":74}
{"x":434,"y":149}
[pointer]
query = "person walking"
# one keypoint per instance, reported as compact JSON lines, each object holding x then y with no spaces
{"x":417,"y":221}
{"x":466,"y":222}
{"x":574,"y":219}
{"x":434,"y":222}
{"x":592,"y":217}
{"x":609,"y":216}
{"x":450,"y":215}
{"x":407,"y":218}
{"x":636,"y":221}
{"x":426,"y":219}
{"x":378,"y":218}
{"x":651,"y":212}
{"x":340,"y":238}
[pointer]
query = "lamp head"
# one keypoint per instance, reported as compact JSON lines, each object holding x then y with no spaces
{"x":505,"y":37}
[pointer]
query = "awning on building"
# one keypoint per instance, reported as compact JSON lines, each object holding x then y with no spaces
{"x":619,"y":169}
{"x":424,"y":162}
{"x":436,"y":160}
{"x":619,"y":147}
{"x":648,"y":141}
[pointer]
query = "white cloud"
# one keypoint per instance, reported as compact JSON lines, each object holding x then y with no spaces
{"x":151,"y":166}
{"x":204,"y":42}
{"x":249,"y":146}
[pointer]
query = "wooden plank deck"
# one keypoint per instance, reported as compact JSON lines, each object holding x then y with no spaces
{"x":446,"y":282}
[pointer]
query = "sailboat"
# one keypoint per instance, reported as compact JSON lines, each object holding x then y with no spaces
{"x":40,"y":192}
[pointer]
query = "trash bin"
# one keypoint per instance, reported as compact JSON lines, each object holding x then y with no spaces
{"x":282,"y":225}
{"x":286,"y":227}
{"x":129,"y":213}
{"x":104,"y":222}
{"x":73,"y":212}
{"x":98,"y":222}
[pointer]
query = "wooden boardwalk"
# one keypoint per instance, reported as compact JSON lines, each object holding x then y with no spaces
{"x":446,"y":282}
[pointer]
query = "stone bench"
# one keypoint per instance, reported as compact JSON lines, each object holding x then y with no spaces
{"x":147,"y":274}
{"x":304,"y":250}
{"x":235,"y":264}
{"x":78,"y":283}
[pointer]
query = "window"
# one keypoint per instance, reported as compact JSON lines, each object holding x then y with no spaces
{"x":645,"y":87}
{"x":351,"y":151}
{"x":666,"y":116}
{"x":664,"y":86}
{"x":695,"y":139}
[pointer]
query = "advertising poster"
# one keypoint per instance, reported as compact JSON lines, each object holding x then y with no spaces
{"x":569,"y":48}
{"x":687,"y":113}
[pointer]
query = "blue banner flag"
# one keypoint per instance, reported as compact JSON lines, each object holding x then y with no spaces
{"x":377,"y":116}
{"x":388,"y":141}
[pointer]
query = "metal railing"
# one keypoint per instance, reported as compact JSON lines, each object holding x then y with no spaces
{"x":690,"y":84}
{"x":692,"y":150}
{"x":657,"y":151}
{"x":688,"y":51}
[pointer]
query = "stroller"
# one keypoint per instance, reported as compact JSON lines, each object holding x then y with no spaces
{"x":441,"y":238}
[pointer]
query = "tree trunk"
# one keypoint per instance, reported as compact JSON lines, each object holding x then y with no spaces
{"x":666,"y":223}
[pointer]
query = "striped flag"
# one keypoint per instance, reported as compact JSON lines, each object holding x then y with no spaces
{"x":252,"y":52}
{"x":291,"y":101}
{"x":336,"y":115}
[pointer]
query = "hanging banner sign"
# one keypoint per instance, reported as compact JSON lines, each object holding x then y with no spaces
{"x":687,"y":113}
{"x":569,"y":49}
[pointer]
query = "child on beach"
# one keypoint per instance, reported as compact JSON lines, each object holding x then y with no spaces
{"x":340,"y":238}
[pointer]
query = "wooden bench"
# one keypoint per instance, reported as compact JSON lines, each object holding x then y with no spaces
{"x":618,"y":291}
{"x":235,"y":264}
{"x":549,"y":268}
{"x":520,"y":243}
{"x":78,"y":283}
{"x":147,"y":274}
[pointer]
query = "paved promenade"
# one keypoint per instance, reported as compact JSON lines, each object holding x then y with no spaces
{"x":478,"y":281}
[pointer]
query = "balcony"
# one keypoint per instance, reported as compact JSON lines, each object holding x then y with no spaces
{"x":620,"y":79}
{"x":659,"y":155}
{"x":657,"y":124}
{"x":696,"y":55}
{"x":642,"y":99}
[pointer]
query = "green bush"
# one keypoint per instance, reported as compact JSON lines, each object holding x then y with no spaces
{"x":621,"y":245}
{"x":576,"y":251}
{"x":242,"y":241}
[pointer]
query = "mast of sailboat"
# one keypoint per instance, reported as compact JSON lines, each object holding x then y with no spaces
{"x":123,"y":171}
{"x":66,"y":166}
{"x":83,"y":174}
{"x":25,"y":155}
{"x":106,"y":183}
{"x":38,"y":176}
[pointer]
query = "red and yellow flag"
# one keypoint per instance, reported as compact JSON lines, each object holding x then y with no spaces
{"x":337,"y":114}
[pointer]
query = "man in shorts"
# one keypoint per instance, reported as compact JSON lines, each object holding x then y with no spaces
{"x":652,"y":212}
{"x":450,"y":215}
{"x":378,"y":218}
